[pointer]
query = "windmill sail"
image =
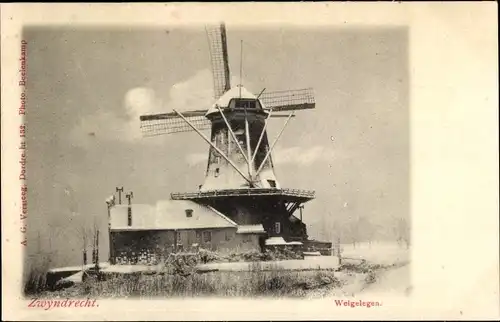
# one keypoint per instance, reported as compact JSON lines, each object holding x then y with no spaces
{"x":280,"y":101}
{"x":219,"y":59}
{"x":168,"y":123}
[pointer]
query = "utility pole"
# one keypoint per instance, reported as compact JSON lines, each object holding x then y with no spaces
{"x":84,"y":237}
{"x":339,"y":254}
{"x":129,"y":196}
{"x":93,"y":247}
{"x":119,"y":190}
{"x":110,"y":202}
{"x":97,"y":250}
{"x":84,"y":252}
{"x":332,"y":237}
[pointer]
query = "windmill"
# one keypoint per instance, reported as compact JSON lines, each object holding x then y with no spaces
{"x":240,"y":180}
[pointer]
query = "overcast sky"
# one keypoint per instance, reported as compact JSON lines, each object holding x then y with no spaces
{"x":87,"y":87}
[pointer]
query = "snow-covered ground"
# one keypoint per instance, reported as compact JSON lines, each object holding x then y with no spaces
{"x":384,"y":253}
{"x":308,"y":263}
{"x":396,"y":279}
{"x":76,"y":268}
{"x":393,"y":281}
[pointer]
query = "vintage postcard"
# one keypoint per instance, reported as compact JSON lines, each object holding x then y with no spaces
{"x":251,"y":161}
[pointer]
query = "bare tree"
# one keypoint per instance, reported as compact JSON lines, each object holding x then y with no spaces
{"x":354,"y":231}
{"x":402,"y":230}
{"x":366,"y":229}
{"x":56,"y":233}
{"x":84,"y":233}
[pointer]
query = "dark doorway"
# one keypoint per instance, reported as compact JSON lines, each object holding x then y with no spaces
{"x":262,"y":243}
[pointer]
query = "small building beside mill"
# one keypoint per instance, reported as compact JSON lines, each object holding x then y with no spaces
{"x":144,"y":233}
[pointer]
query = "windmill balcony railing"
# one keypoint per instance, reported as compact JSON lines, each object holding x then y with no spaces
{"x":242,"y":192}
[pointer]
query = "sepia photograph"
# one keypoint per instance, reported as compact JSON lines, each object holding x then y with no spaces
{"x":216,"y":160}
{"x":225,"y":159}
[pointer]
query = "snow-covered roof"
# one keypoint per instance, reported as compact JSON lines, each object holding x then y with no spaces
{"x":280,"y":241}
{"x":167,"y":215}
{"x":250,"y":229}
{"x":275,"y":241}
{"x":223,"y":101}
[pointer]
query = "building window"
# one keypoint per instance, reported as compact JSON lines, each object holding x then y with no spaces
{"x":198,"y":236}
{"x":247,"y":238}
{"x":178,"y":236}
{"x":189,"y":212}
{"x":277,"y":227}
{"x":216,"y":172}
{"x":228,"y":236}
{"x":245,"y":104}
{"x":241,"y":138}
{"x":207,"y":236}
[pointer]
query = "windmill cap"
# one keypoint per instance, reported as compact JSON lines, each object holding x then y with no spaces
{"x":223,"y":101}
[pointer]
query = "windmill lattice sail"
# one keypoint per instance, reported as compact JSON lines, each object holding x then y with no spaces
{"x":277,"y":101}
{"x":169,"y":123}
{"x":289,"y":100}
{"x":219,"y":59}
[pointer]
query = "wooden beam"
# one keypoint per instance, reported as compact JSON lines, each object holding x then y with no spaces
{"x":232,"y":133}
{"x":261,"y":137}
{"x":227,"y":79}
{"x":294,"y":207}
{"x":249,"y":152}
{"x":274,"y":143}
{"x":213,"y":146}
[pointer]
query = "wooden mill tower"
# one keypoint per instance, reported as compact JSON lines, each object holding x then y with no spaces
{"x":240,"y":181}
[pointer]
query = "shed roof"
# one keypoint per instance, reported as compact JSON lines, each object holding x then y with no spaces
{"x":280,"y":241}
{"x":250,"y":229}
{"x":275,"y":241}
